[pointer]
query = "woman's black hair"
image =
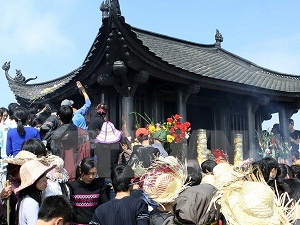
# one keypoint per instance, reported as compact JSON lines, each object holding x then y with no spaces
{"x":12,"y":170}
{"x":125,"y":141}
{"x":208,"y":165}
{"x":294,"y":186}
{"x":296,"y":170}
{"x":84,"y":167}
{"x":194,"y":176}
{"x":262,"y":167}
{"x":121,"y":176}
{"x":35,"y":146}
{"x":21,"y":116}
{"x":283,"y":171}
{"x":4,"y":109}
{"x":35,"y":121}
{"x":101,"y":109}
{"x":11,"y":109}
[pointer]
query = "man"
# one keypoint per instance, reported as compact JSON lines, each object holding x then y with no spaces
{"x":294,"y":137}
{"x":70,"y":142}
{"x":143,"y":152}
{"x":55,"y":210}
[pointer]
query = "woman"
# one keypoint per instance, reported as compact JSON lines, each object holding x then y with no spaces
{"x":13,"y":176}
{"x":87,"y":191}
{"x":126,"y":151}
{"x":33,"y":182}
{"x":23,"y":132}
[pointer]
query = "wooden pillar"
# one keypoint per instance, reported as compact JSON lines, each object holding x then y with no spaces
{"x":127,"y":120}
{"x":181,"y":104}
{"x":156,"y":108}
{"x":183,"y":94}
{"x":251,"y":129}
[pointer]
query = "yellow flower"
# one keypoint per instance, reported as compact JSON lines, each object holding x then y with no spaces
{"x":170,"y":138}
{"x":151,"y":129}
{"x":157,"y":129}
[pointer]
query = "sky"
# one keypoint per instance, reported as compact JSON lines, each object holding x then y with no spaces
{"x":50,"y":38}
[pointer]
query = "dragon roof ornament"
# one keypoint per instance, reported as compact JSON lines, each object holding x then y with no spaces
{"x":110,"y":7}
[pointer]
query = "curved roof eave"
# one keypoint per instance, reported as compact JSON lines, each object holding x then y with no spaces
{"x":216,"y":63}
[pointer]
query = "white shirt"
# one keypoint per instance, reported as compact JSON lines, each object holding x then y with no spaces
{"x":28,"y":213}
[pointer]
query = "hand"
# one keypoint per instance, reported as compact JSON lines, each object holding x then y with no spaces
{"x":79,"y":85}
{"x":6,"y":192}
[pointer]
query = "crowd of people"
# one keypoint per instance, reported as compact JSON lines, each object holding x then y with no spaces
{"x":63,"y":170}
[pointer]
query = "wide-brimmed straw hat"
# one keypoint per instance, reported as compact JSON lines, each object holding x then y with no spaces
{"x":226,"y":174}
{"x":22,"y":157}
{"x":59,"y":173}
{"x":249,"y":203}
{"x":30,"y":172}
{"x":165,"y":179}
{"x":208,"y":179}
{"x":108,"y":134}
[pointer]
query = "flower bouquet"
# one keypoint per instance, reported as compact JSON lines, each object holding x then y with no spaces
{"x":178,"y":133}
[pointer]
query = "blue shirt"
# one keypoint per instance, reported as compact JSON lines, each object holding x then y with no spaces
{"x":15,"y":141}
{"x":161,"y":149}
{"x":85,"y":108}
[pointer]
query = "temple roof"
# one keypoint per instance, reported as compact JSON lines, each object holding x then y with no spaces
{"x":217,"y":63}
{"x":198,"y":63}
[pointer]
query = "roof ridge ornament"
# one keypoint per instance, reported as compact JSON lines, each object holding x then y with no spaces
{"x":19,"y":76}
{"x":110,"y":7}
{"x":218,"y":38}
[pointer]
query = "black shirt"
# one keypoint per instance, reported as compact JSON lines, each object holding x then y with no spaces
{"x":295,"y":135}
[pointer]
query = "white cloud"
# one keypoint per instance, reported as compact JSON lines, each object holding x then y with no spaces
{"x":27,"y":29}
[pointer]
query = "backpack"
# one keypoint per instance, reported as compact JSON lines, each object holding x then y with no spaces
{"x":143,"y":154}
{"x":50,"y":124}
{"x":74,"y":145}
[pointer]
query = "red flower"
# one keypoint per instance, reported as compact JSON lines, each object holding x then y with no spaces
{"x":177,"y":117}
{"x":187,"y":124}
{"x":178,"y":139}
{"x":182,"y":135}
{"x":170,"y":120}
{"x":172,"y":130}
